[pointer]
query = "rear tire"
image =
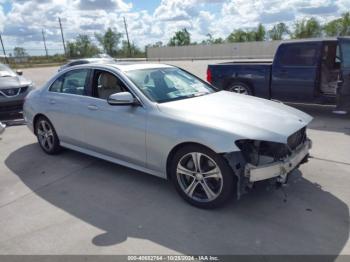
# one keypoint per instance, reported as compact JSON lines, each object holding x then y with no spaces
{"x":202,"y":177}
{"x":240,"y":88}
{"x":47,"y":136}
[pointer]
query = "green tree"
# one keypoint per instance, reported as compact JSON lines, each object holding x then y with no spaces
{"x":338,"y":27}
{"x":211,"y":40}
{"x":333,"y":27}
{"x":134,"y":50}
{"x":71,"y":49}
{"x":237,"y":35}
{"x":19,"y":52}
{"x":257,"y":35}
{"x":85,"y":46}
{"x":277,"y":31}
{"x":306,"y":28}
{"x":109,"y":41}
{"x":82,"y":46}
{"x":345,"y":26}
{"x":157,"y":44}
{"x":182,"y":37}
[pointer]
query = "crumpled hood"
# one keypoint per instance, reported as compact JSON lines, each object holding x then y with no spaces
{"x":246,"y":117}
{"x":13,"y":82}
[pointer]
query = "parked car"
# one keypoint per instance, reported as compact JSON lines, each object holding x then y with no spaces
{"x":301,"y":71}
{"x":164,"y":121}
{"x":103,"y":55}
{"x":13,"y":89}
{"x":2,"y":128}
{"x":102,"y":60}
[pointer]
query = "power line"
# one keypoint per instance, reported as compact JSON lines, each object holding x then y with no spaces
{"x":127,"y":36}
{"x":64,"y":45}
{"x":47,"y":54}
{"x":3,"y":49}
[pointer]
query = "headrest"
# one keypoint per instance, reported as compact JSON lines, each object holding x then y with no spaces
{"x":108,"y":80}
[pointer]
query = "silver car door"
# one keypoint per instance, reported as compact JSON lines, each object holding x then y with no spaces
{"x":65,"y":100}
{"x":117,"y":131}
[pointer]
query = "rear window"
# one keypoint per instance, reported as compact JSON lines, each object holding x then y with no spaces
{"x":298,"y":55}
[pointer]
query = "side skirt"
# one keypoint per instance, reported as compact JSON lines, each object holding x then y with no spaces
{"x":113,"y":160}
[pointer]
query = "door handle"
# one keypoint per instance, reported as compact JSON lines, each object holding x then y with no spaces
{"x":52,"y":101}
{"x":92,"y":107}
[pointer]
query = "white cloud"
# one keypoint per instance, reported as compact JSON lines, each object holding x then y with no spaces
{"x":23,"y":24}
{"x":118,"y":5}
{"x":2,"y":19}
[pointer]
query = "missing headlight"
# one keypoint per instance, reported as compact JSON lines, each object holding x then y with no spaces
{"x":262,"y":152}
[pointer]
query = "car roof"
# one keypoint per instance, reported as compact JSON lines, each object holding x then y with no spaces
{"x":128,"y":66}
{"x":90,"y":60}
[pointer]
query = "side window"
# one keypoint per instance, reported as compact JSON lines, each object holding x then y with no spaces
{"x":298,"y":55}
{"x":107,"y":84}
{"x":57,"y":85}
{"x":73,"y":82}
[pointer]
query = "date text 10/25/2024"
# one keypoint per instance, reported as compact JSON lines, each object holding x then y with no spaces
{"x":172,"y":258}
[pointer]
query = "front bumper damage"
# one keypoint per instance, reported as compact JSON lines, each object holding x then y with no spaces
{"x":278,"y":169}
{"x":247,"y":174}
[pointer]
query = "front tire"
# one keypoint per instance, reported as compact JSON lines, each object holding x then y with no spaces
{"x":47,"y":136}
{"x":202,"y":177}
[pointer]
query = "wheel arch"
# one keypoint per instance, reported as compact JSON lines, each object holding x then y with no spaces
{"x":178,"y":147}
{"x":35,"y":119}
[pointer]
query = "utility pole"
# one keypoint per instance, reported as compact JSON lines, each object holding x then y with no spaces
{"x":127,"y":36}
{"x":47,"y":54}
{"x":3,"y":49}
{"x":64,"y":45}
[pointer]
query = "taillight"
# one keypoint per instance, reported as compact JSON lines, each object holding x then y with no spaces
{"x":209,"y":78}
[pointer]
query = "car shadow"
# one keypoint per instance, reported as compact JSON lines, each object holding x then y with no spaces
{"x":324,"y":119}
{"x":301,"y":218}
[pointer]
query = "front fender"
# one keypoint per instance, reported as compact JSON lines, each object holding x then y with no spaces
{"x":164,"y":134}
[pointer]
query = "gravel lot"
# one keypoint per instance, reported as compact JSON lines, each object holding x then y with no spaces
{"x":76,"y":204}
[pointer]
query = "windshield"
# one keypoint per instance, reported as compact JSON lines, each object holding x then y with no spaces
{"x":6,"y":71}
{"x":168,"y":84}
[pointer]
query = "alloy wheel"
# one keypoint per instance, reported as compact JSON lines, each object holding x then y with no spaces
{"x":199,"y":177}
{"x":45,"y":135}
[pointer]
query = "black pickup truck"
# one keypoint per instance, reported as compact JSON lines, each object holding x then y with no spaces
{"x":301,"y":71}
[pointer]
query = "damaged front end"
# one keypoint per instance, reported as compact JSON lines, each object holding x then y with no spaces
{"x":262,"y":160}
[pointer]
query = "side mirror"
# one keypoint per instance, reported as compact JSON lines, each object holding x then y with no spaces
{"x":122,"y":99}
{"x":19,"y":72}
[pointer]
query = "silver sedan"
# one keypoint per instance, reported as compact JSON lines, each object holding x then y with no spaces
{"x":164,"y":121}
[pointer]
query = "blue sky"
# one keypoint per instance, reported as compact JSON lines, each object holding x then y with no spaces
{"x":149,"y":21}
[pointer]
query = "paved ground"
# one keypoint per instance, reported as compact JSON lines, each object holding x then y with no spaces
{"x":75,"y":204}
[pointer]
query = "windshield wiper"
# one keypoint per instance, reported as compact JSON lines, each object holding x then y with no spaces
{"x":199,"y":94}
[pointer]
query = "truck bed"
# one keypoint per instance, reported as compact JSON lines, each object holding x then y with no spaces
{"x":248,"y":61}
